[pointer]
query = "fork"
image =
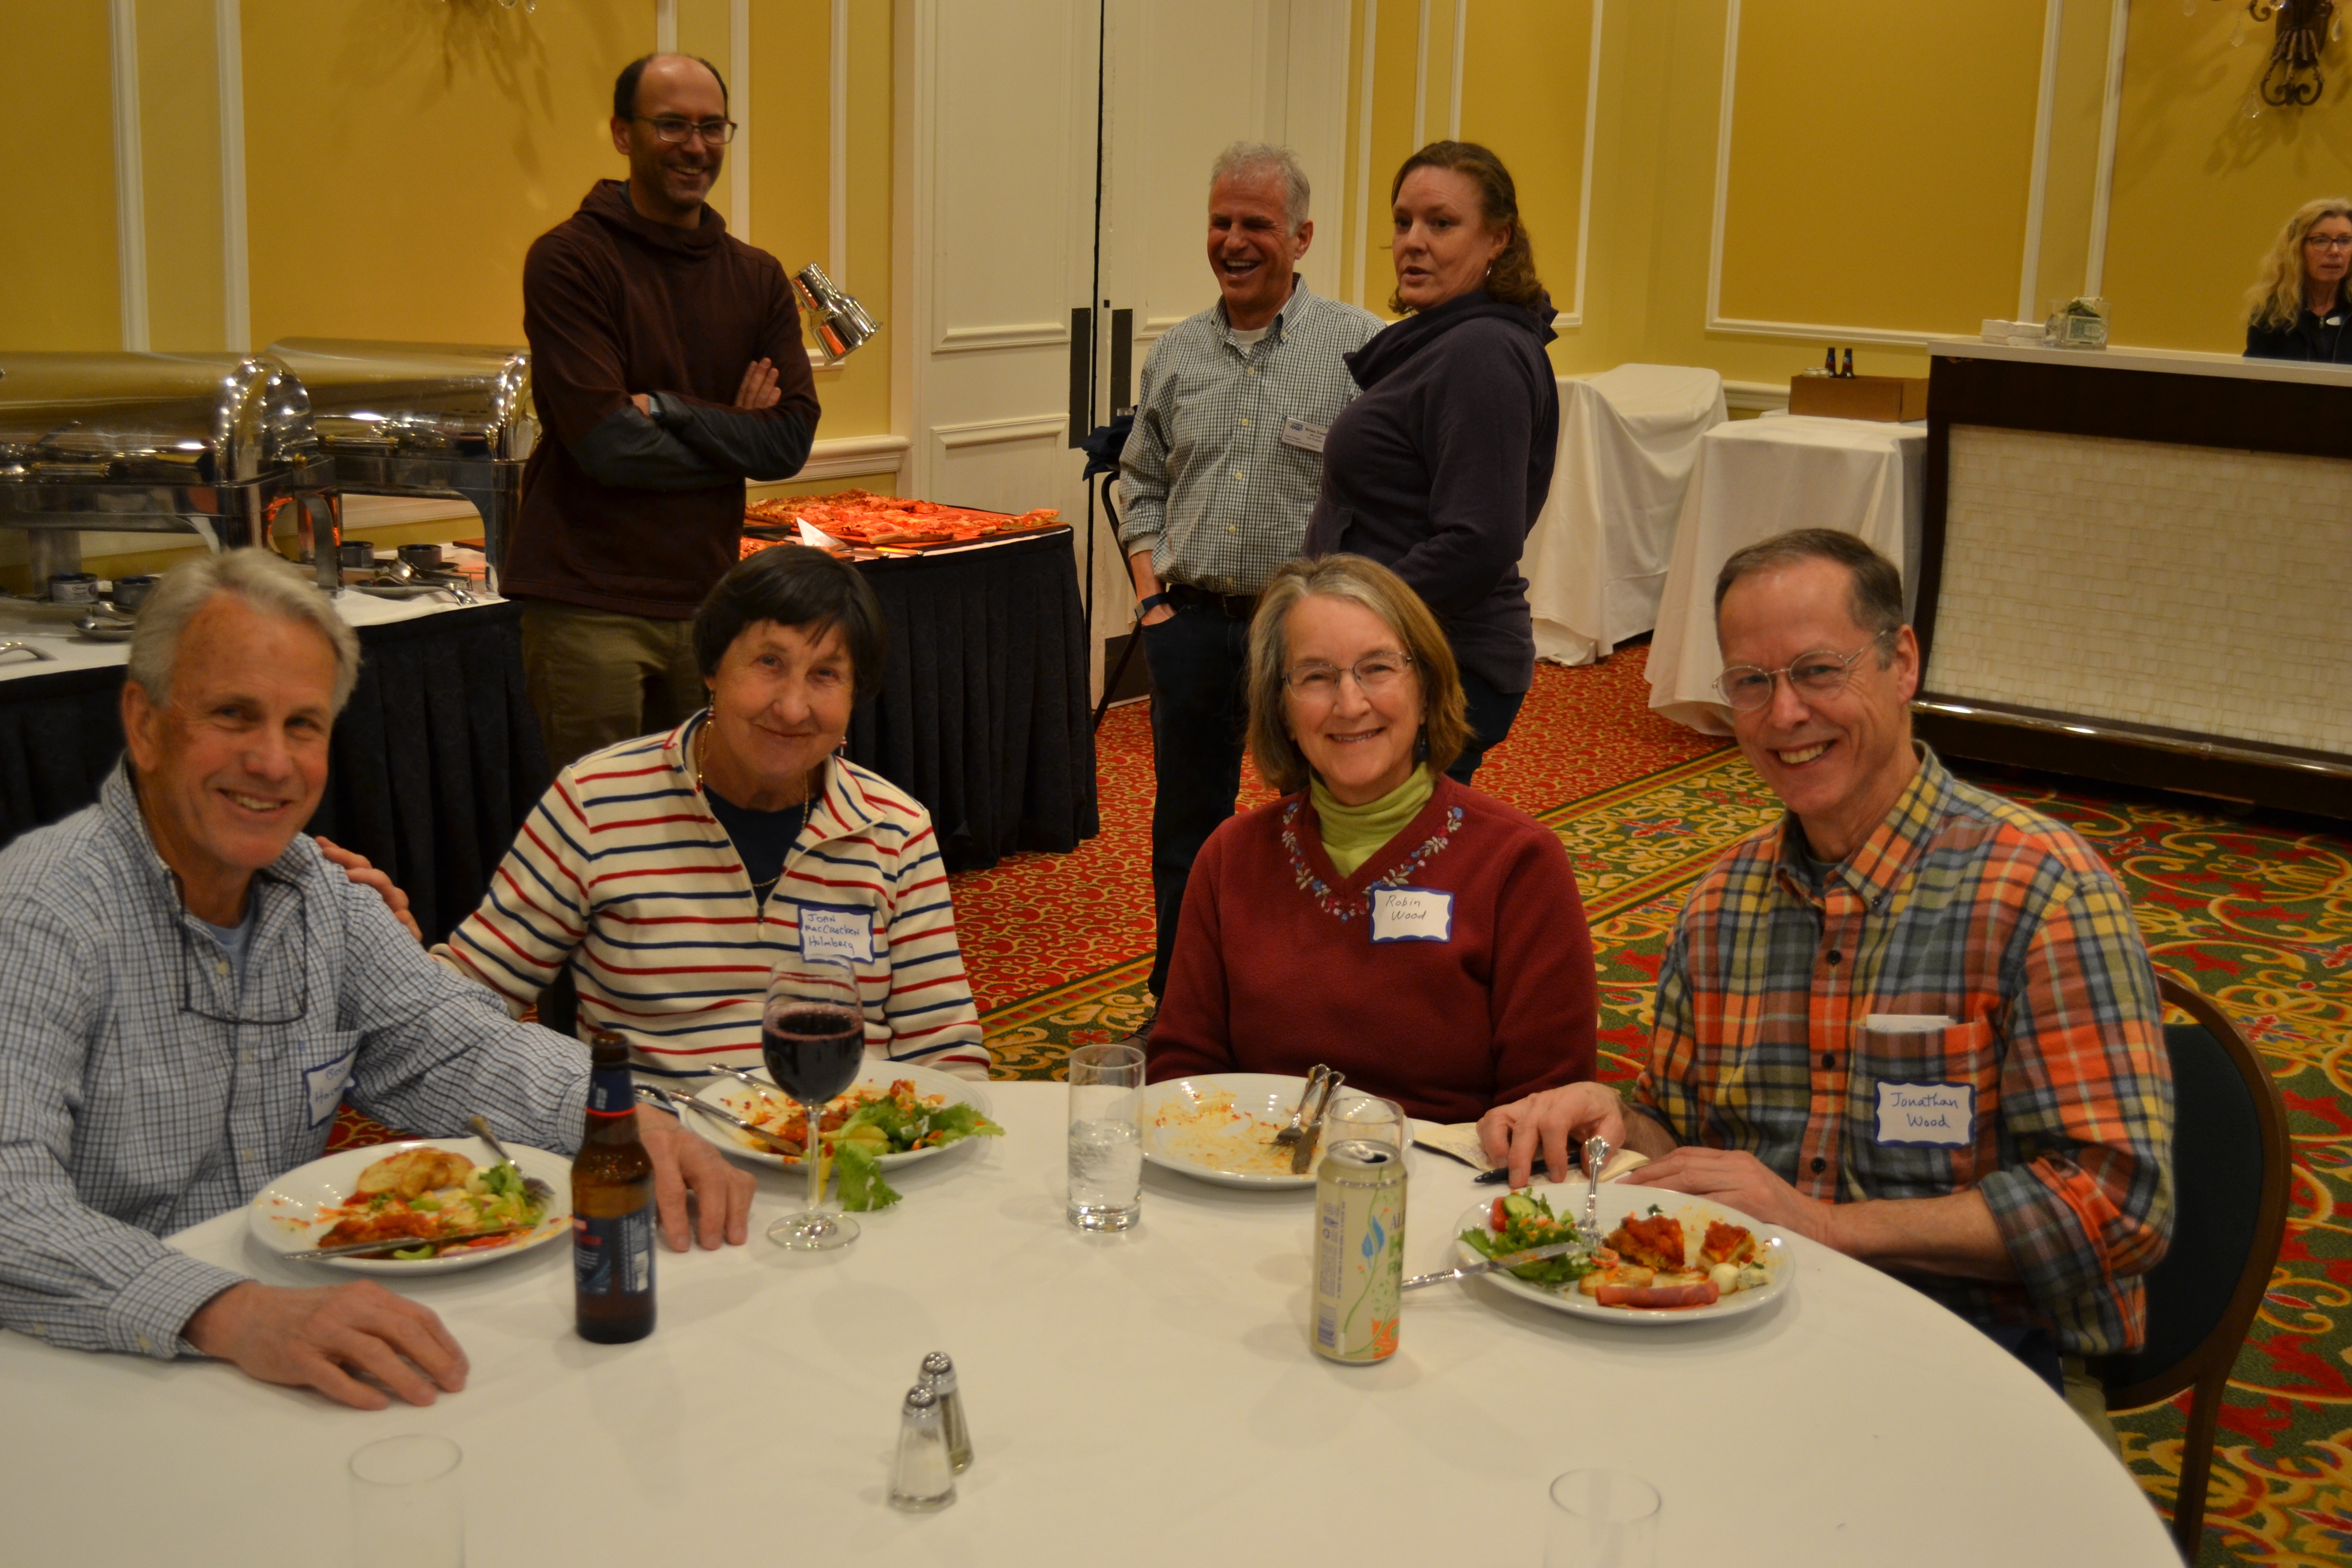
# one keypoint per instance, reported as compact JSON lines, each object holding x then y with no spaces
{"x":536,"y":1190}
{"x":1596,"y":1154}
{"x":1290,"y":1134}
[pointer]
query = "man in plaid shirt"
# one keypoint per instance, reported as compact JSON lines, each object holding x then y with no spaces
{"x":1911,"y":1020}
{"x":1217,"y":480}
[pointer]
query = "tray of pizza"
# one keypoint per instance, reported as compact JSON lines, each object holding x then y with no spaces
{"x":863,"y":519}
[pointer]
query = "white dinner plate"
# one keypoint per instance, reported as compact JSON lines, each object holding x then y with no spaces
{"x":284,"y":1215}
{"x":1219,"y":1127}
{"x":1618,"y":1200}
{"x":733,"y":1094}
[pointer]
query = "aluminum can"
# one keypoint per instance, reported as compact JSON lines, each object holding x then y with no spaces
{"x":1359,"y":1250}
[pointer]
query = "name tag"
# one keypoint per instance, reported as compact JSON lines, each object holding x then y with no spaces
{"x":1927,"y":1115}
{"x":325,"y":1084}
{"x":1297,"y":432}
{"x":1412,"y":914}
{"x":836,"y":936}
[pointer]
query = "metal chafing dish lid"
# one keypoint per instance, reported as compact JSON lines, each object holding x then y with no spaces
{"x":206,"y":418}
{"x":385,"y":397}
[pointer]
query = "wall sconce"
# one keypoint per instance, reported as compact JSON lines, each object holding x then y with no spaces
{"x":2293,"y":79}
{"x":840,"y":322}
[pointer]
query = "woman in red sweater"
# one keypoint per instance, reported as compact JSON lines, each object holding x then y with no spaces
{"x":1421,"y":938}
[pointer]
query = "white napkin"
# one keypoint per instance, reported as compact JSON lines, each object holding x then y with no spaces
{"x":1461,"y":1140}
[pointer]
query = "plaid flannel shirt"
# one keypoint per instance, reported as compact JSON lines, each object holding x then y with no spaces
{"x":1963,"y":904}
{"x":145,"y":1087}
{"x":1206,"y":482}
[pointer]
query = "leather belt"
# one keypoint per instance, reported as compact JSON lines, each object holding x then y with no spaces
{"x":1232,"y":606}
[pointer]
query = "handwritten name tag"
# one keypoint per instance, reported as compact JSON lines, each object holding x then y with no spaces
{"x":1927,"y":1115}
{"x":1412,"y":914}
{"x":325,"y":1084}
{"x":1298,"y":433}
{"x":836,"y":936}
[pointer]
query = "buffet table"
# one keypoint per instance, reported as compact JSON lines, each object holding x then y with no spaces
{"x":983,"y":715}
{"x":1146,"y":1398}
{"x":435,"y":763}
{"x":2136,"y":566}
{"x":1596,"y":558}
{"x":1757,"y":478}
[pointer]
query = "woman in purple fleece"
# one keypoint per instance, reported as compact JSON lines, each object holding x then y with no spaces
{"x":1438,"y":469}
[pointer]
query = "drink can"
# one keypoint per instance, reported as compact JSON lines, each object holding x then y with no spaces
{"x":1359,"y":1250}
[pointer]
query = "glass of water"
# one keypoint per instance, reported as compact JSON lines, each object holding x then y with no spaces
{"x":1602,"y":1519}
{"x":1105,"y":1143}
{"x":408,"y":1505}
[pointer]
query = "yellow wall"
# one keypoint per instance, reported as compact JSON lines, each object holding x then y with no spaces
{"x":1523,"y":77}
{"x":57,"y":246}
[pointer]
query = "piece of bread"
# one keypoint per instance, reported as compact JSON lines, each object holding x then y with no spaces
{"x":412,"y":1173}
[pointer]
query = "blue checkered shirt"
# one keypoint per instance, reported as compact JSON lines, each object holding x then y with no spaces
{"x":1205,"y":481}
{"x":143,"y":1090}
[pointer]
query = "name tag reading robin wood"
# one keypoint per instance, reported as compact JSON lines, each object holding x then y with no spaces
{"x":1298,"y":433}
{"x":1927,"y":1115}
{"x":836,"y":936}
{"x":1412,"y":914}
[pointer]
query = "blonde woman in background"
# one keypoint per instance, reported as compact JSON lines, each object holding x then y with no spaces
{"x":2298,"y":310}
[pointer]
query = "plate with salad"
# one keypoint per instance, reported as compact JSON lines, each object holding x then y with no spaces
{"x":1664,"y":1257}
{"x":895,"y":1115}
{"x":417,"y":1192}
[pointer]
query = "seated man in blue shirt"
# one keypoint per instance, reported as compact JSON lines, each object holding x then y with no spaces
{"x":191,"y":990}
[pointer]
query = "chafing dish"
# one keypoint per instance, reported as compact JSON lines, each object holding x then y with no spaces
{"x":422,"y":419}
{"x":207,"y":443}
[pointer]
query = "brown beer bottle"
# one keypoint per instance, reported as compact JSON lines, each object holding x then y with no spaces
{"x":613,"y":1206}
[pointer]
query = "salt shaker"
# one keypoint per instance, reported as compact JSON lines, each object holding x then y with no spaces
{"x":923,"y":1481}
{"x":940,"y":1377}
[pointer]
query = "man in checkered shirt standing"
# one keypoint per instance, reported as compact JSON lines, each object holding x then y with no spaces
{"x":1217,"y":480}
{"x":1911,"y":1019}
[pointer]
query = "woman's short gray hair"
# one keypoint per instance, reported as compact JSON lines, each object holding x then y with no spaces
{"x":265,"y":580}
{"x":1266,"y":158}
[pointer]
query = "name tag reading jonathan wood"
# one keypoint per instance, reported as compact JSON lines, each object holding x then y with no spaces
{"x":836,"y":936}
{"x":1412,"y":914}
{"x":1927,"y":1115}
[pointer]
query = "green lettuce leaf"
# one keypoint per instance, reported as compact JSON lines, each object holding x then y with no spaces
{"x":862,"y":1187}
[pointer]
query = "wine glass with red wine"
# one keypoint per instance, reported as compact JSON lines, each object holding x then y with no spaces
{"x":813,"y":1034}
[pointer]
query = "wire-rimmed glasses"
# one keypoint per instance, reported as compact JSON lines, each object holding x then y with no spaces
{"x":1816,"y":676}
{"x":1314,"y":681}
{"x":673,"y":128}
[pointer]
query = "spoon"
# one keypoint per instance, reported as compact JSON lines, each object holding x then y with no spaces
{"x":537,"y":1191}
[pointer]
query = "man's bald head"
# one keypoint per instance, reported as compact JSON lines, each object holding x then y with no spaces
{"x":624,"y":86}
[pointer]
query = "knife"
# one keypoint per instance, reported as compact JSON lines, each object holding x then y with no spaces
{"x":718,"y":1114}
{"x":1487,"y":1266}
{"x":403,"y":1244}
{"x":1302,"y":1153}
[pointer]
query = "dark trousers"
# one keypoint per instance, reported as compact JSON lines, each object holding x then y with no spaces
{"x":1200,"y":713}
{"x":1490,"y":714}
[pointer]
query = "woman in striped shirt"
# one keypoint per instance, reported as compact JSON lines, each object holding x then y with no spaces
{"x":671,"y":871}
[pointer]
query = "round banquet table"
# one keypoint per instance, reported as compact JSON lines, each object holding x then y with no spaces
{"x":1142,"y":1398}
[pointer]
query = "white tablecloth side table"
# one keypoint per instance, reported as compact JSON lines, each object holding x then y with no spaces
{"x":1757,"y":478}
{"x":1596,"y":559}
{"x":1147,"y":1398}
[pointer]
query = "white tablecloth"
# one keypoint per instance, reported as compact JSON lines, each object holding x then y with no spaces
{"x":1757,"y":478}
{"x":1147,"y":1398}
{"x":50,"y":628}
{"x":1597,"y":556}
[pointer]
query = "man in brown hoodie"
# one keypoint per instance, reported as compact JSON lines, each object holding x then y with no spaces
{"x":667,"y":368}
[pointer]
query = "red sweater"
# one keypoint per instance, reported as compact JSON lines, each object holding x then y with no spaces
{"x":1268,"y":978}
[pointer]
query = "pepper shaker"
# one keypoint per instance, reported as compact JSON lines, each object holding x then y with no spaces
{"x":940,"y":1377}
{"x":923,"y":1481}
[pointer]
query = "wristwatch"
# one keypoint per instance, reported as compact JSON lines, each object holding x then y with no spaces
{"x":1145,"y":606}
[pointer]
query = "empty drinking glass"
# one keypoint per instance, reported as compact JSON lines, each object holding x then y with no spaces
{"x":1602,"y":1519}
{"x":408,"y":1505}
{"x":1105,"y":1144}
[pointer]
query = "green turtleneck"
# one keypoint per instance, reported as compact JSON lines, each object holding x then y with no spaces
{"x":1354,"y":834}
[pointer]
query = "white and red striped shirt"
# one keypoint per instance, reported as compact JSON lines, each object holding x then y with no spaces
{"x":622,"y":870}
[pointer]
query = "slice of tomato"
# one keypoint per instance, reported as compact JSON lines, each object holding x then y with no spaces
{"x":1498,"y":1220}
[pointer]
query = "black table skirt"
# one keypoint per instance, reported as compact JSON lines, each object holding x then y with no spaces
{"x":434,"y":762}
{"x":984,"y":718}
{"x":985,"y":715}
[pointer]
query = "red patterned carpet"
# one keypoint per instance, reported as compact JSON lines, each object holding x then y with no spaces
{"x":2256,"y":913}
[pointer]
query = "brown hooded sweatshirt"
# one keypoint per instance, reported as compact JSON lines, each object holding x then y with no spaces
{"x":625,"y":512}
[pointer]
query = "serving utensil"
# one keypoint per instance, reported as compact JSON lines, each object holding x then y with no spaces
{"x":1487,"y":1266}
{"x":661,"y":1095}
{"x":1596,"y":1154}
{"x":403,"y":1244}
{"x":1291,"y":1134}
{"x":539,"y":1191}
{"x":1302,"y":1153}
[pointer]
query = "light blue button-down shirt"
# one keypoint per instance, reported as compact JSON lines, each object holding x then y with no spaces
{"x":142,"y":1090}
